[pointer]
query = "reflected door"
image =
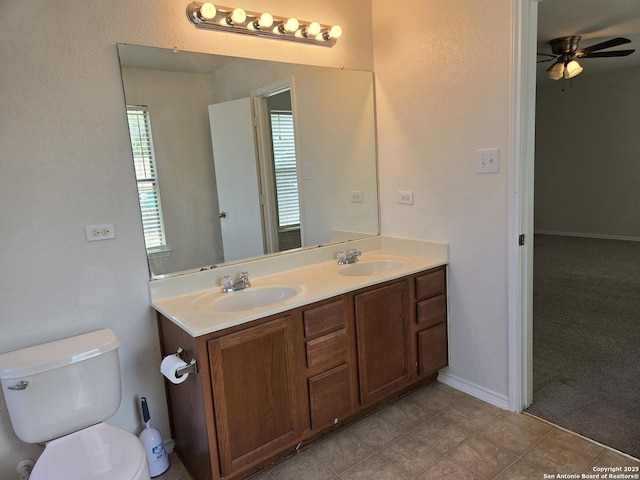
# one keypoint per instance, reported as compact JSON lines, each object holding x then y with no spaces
{"x":236,"y":168}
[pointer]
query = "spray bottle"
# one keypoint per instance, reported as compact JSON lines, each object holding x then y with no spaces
{"x":151,"y":439}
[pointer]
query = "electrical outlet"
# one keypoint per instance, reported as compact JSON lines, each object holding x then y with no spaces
{"x":308,"y":172}
{"x":488,"y":160}
{"x":405,"y":198}
{"x":103,"y":231}
{"x":356,"y":196}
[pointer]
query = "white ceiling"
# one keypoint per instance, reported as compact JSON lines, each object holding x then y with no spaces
{"x":595,"y":21}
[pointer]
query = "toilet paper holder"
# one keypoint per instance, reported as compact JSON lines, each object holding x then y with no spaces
{"x":191,"y":367}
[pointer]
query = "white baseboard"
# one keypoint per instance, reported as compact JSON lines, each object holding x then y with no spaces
{"x":588,"y":235}
{"x":474,"y":390}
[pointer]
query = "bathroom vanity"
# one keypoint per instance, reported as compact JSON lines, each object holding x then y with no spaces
{"x":275,"y":377}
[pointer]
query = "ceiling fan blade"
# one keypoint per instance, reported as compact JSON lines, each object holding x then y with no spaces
{"x":614,"y":42}
{"x":615,"y":53}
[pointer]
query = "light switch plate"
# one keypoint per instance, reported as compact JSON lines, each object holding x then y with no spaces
{"x":488,"y":160}
{"x":405,"y":197}
{"x":356,"y":196}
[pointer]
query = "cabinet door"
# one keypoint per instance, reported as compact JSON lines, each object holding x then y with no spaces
{"x":432,"y":349}
{"x":254,"y":391}
{"x":381,"y":332}
{"x":330,"y":397}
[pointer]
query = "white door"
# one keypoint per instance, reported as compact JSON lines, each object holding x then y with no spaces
{"x":236,"y":167}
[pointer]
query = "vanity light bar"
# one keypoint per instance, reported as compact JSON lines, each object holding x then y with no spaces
{"x":229,"y":19}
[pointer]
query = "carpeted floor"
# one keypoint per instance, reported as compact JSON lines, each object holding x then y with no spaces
{"x":586,"y":338}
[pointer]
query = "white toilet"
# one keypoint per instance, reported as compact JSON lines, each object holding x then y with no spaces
{"x":58,"y":393}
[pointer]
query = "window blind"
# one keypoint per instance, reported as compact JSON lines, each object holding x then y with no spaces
{"x":286,"y":172}
{"x":146,"y":176}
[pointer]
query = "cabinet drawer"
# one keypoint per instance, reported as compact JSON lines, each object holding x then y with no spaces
{"x":431,"y":284}
{"x":432,"y":311}
{"x":432,"y":349}
{"x":324,"y":318}
{"x":332,"y":347}
{"x":330,"y":397}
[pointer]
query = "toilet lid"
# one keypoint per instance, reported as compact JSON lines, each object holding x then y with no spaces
{"x":100,"y":452}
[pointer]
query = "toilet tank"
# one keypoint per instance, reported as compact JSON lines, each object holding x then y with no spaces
{"x":63,"y":386}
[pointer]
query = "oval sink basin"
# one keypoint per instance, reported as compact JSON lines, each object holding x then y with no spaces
{"x":254,"y":297}
{"x":366,"y":268}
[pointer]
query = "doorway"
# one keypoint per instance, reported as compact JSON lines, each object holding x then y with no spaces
{"x":521,"y":205}
{"x":284,"y":172}
{"x":277,"y":147}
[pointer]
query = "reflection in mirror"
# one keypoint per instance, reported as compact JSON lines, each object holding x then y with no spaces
{"x":239,"y":158}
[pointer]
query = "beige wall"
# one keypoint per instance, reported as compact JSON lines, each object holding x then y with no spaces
{"x":587,"y":144}
{"x":65,"y":162}
{"x":443,"y":89}
{"x":443,"y":83}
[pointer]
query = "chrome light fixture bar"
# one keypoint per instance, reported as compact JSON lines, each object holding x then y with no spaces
{"x":228,"y":19}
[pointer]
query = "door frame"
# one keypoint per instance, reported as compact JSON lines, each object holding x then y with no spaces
{"x":520,"y":203}
{"x":265,"y":154}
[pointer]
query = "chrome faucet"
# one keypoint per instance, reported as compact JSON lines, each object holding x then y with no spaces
{"x":239,"y":283}
{"x":349,"y":257}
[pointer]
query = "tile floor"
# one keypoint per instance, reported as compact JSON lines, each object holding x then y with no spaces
{"x":441,"y":433}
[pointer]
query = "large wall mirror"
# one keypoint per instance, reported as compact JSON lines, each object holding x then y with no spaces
{"x":237,"y":158}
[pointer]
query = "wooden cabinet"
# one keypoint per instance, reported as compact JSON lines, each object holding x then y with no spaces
{"x":431,"y":320}
{"x":267,"y":386}
{"x":432,"y":349}
{"x":329,"y":374}
{"x":253,"y":373}
{"x":382,"y":316}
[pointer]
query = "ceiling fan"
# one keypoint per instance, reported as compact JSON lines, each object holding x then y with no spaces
{"x":565,"y":53}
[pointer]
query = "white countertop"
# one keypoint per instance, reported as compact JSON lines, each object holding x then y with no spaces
{"x":189,"y":302}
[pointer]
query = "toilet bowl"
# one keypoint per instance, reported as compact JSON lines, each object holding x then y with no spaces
{"x":100,"y":452}
{"x":59,"y":393}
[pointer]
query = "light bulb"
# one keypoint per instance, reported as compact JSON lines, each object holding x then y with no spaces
{"x":265,"y":20}
{"x":333,"y":33}
{"x":572,"y":69}
{"x":237,"y":16}
{"x":312,"y":29}
{"x":292,"y":25}
{"x":556,"y":72}
{"x":208,"y":11}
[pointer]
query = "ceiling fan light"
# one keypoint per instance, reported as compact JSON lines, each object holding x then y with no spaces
{"x":557,"y":71}
{"x":573,"y":68}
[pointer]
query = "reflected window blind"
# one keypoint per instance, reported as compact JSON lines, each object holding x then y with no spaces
{"x":286,"y":173}
{"x":146,"y":176}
